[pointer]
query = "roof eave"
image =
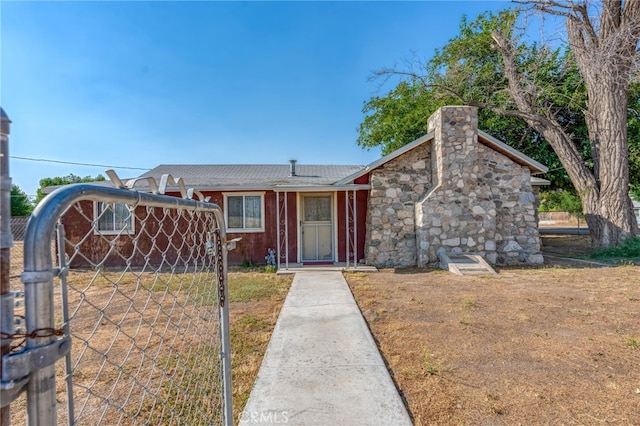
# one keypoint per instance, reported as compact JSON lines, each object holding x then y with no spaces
{"x":380,"y":161}
{"x":322,"y":188}
{"x":535,"y":181}
{"x":513,"y":153}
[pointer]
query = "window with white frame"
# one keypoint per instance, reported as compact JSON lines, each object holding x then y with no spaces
{"x":244,"y":212}
{"x":114,"y":218}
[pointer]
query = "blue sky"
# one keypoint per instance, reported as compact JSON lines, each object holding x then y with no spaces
{"x":139,"y":84}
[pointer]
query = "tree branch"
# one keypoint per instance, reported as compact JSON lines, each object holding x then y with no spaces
{"x":547,"y":125}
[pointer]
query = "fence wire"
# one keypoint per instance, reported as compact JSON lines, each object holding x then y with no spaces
{"x":140,"y":291}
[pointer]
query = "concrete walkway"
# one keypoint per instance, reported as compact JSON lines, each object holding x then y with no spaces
{"x":322,"y":366}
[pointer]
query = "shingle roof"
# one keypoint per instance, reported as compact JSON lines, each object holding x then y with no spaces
{"x":258,"y":175}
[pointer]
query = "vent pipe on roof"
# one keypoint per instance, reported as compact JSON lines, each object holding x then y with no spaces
{"x":292,"y":168}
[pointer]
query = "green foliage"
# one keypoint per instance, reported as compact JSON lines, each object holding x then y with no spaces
{"x":633,"y":135}
{"x":471,"y":66}
{"x":20,"y":203}
{"x":64,"y":180}
{"x":248,"y":287}
{"x":560,"y":201}
{"x":627,"y":251}
{"x":398,"y":118}
{"x":469,"y":63}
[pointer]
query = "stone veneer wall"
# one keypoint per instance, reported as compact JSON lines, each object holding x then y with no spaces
{"x":395,"y":188}
{"x":516,"y":238}
{"x":482,"y":202}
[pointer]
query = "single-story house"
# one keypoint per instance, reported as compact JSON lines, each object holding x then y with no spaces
{"x":455,"y":187}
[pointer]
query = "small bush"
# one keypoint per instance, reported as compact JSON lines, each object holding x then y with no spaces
{"x":633,"y":342}
{"x":560,"y":201}
{"x":629,"y":250}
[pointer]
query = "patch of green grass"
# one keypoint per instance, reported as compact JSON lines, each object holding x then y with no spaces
{"x":354,"y":274}
{"x":469,"y":302}
{"x":633,"y":342}
{"x":430,"y":366}
{"x":380,"y":311}
{"x":252,"y":323}
{"x":247,"y":287}
{"x":629,"y":251}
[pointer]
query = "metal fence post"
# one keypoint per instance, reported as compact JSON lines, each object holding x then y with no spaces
{"x":39,"y":320}
{"x":225,"y":330}
{"x":6,"y":242}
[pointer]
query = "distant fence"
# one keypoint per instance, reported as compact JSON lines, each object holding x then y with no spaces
{"x":560,"y":219}
{"x":131,"y":296}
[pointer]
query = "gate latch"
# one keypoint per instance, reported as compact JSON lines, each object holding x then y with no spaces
{"x":231,"y":244}
{"x":16,"y":366}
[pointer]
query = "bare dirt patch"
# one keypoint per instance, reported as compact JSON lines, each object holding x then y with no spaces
{"x":566,"y":245}
{"x":528,"y":346}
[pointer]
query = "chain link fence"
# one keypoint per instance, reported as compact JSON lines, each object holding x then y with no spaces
{"x":130,"y":295}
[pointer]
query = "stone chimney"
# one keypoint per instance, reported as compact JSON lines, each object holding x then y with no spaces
{"x":457,"y":212}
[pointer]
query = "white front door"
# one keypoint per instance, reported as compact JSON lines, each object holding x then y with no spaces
{"x":317,"y":228}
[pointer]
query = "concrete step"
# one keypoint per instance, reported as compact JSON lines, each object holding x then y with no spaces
{"x":464,"y":263}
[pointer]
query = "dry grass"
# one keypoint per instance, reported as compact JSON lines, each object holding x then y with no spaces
{"x":136,"y":333}
{"x":256,"y":302}
{"x":528,"y":346}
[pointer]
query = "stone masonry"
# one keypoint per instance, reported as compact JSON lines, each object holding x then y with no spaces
{"x":395,"y":189}
{"x":453,"y":193}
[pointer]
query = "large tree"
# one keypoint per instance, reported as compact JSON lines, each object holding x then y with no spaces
{"x":20,"y":203}
{"x":488,"y":65}
{"x":63,"y":180}
{"x":633,"y":136}
{"x":400,"y":116}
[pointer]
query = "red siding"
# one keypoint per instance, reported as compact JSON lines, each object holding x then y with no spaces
{"x":362,"y":180}
{"x":361,"y":211}
{"x":252,"y":246}
{"x":292,"y":212}
{"x":94,"y":249}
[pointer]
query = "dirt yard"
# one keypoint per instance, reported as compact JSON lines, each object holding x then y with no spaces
{"x":552,"y":345}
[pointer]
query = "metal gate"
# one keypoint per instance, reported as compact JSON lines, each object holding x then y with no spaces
{"x":132,"y":300}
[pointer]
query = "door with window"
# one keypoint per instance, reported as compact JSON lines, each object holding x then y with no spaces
{"x":317,"y":228}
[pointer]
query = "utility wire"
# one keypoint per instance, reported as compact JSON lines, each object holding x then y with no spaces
{"x":76,"y":164}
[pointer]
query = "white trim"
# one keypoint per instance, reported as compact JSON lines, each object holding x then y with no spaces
{"x":278,"y":227}
{"x":299,"y":227}
{"x":243,"y":194}
{"x":488,"y":140}
{"x":266,"y":188}
{"x":322,"y":188}
{"x":96,"y":223}
{"x":300,"y":213}
{"x":334,"y":225}
{"x":514,"y":154}
{"x":355,"y":229}
{"x":536,"y":181}
{"x":346,"y":227}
